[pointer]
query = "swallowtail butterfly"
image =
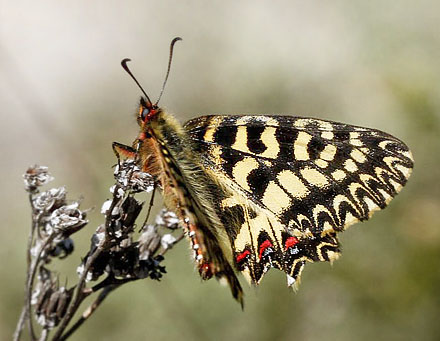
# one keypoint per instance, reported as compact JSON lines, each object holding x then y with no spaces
{"x":260,"y":192}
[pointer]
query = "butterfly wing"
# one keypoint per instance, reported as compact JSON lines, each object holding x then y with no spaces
{"x":294,"y":183}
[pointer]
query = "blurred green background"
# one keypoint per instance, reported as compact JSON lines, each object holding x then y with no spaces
{"x":64,"y":98}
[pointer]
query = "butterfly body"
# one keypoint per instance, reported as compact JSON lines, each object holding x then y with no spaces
{"x":165,"y":151}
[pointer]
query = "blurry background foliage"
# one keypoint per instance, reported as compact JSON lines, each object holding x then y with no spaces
{"x":64,"y":98}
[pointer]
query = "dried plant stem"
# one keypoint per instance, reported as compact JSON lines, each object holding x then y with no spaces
{"x":80,"y":295}
{"x":44,"y":334}
{"x":34,"y":266}
{"x":20,"y":323}
{"x":34,"y":227}
{"x":25,"y":312}
{"x":32,"y":271}
{"x":90,"y":310}
{"x":150,"y":205}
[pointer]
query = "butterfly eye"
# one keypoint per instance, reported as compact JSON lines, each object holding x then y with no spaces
{"x":145,"y":113}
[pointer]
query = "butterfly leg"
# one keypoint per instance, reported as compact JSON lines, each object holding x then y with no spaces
{"x":123,"y":152}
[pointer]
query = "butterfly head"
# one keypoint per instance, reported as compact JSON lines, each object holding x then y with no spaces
{"x":147,"y":111}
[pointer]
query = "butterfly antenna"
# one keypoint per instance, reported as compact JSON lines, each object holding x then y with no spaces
{"x":174,"y":41}
{"x":125,"y":66}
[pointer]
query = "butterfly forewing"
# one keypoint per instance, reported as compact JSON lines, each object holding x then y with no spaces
{"x":294,"y":182}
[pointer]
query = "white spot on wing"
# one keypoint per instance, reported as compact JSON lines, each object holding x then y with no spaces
{"x":350,"y":166}
{"x":241,"y":139}
{"x":358,"y":156}
{"x":327,"y":135}
{"x":268,"y":137}
{"x":292,"y":184}
{"x":300,"y":146}
{"x":339,"y":174}
{"x":275,"y":198}
{"x":242,"y":169}
{"x":209,"y":134}
{"x":328,"y":153}
{"x":290,"y":280}
{"x":321,"y":163}
{"x":384,"y":144}
{"x":324,"y":125}
{"x":314,"y":177}
{"x":404,"y":170}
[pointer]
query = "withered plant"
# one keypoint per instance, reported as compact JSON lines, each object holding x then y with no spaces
{"x":119,"y":251}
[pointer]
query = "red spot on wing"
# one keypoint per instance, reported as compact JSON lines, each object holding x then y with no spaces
{"x":242,"y":255}
{"x":264,"y":246}
{"x":291,"y":241}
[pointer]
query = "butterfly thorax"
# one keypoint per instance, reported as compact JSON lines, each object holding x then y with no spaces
{"x":162,"y":146}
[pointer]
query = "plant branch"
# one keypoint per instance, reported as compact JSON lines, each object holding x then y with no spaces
{"x":44,"y":334}
{"x":25,"y":312}
{"x":90,"y":310}
{"x":79,"y":294}
{"x":31,"y":277}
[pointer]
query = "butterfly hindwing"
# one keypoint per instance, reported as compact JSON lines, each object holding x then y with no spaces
{"x":294,"y":182}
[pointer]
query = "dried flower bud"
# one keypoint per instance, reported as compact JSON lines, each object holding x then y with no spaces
{"x":149,"y":242}
{"x":68,"y":219}
{"x":97,"y":237}
{"x":120,"y":192}
{"x":167,"y":219}
{"x":62,"y":249}
{"x":35,"y":177}
{"x":123,"y":262}
{"x":49,"y":300}
{"x":53,"y":305}
{"x":123,"y":218}
{"x":42,"y":300}
{"x":98,"y":267}
{"x":90,"y":276}
{"x":141,"y":182}
{"x":130,"y":211}
{"x":151,"y":268}
{"x":50,"y":200}
{"x":128,"y":174}
{"x":167,"y":241}
{"x":106,"y":206}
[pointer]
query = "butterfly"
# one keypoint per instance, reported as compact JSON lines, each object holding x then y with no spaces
{"x":259,"y":192}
